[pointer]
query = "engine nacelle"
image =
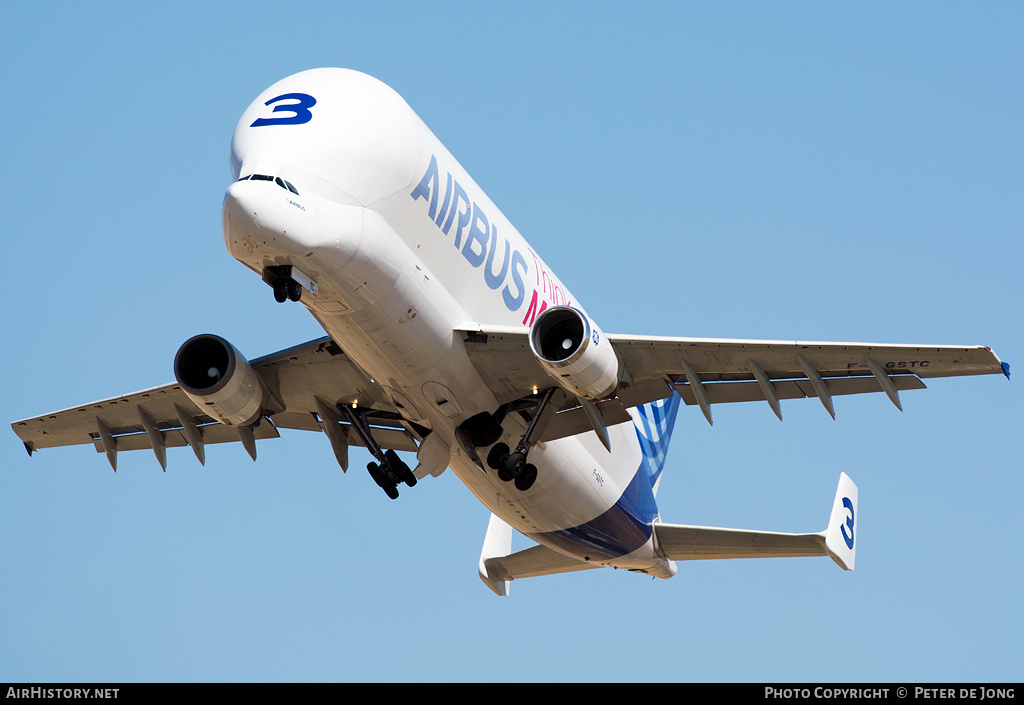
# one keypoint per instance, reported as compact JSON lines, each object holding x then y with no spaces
{"x":221,"y":382}
{"x":575,"y":352}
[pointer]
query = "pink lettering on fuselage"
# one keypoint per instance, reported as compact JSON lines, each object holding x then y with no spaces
{"x":545,"y":290}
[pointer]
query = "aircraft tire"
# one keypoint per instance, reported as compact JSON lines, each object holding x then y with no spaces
{"x":513,"y":465}
{"x":526,"y":478}
{"x":280,"y":291}
{"x":400,"y":469}
{"x":378,"y":476}
{"x":496,"y":458}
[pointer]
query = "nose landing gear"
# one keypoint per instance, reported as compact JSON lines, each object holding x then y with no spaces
{"x":287,"y":282}
{"x":285,"y":289}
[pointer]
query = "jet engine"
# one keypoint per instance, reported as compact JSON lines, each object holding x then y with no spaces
{"x":221,"y":382}
{"x":574,"y":351}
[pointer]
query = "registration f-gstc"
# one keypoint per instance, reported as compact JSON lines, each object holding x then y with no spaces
{"x":449,"y":337}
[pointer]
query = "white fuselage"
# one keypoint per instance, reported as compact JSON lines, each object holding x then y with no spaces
{"x":405,"y":249}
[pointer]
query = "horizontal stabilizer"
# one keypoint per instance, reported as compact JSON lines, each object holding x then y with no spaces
{"x":498,"y":567}
{"x":693,"y":543}
{"x":688,"y":543}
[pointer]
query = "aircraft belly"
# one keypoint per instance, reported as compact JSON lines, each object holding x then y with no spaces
{"x":414,"y":357}
{"x":623,"y":524}
{"x":583,"y":504}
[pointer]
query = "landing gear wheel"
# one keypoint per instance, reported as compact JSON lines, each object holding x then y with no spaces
{"x":294,"y":290}
{"x":399,"y":468}
{"x":391,"y":470}
{"x":280,"y":291}
{"x":496,"y":458}
{"x":513,"y":466}
{"x":526,"y":478}
{"x":382,"y":481}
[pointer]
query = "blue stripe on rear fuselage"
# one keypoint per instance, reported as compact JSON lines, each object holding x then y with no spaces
{"x":626,"y":526}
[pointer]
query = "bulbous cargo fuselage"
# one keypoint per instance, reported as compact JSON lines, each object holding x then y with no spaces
{"x":337,"y":178}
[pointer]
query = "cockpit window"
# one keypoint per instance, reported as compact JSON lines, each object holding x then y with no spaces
{"x":286,"y":185}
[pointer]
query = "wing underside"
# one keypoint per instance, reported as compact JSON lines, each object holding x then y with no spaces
{"x":164,"y":417}
{"x":705,"y":372}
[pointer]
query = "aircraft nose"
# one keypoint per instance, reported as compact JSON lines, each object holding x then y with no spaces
{"x":261,"y":211}
{"x":240,"y":208}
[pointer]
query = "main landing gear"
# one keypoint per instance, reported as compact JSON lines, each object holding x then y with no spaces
{"x":511,"y":464}
{"x":389,"y":471}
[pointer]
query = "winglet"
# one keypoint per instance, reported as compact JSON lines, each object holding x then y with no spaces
{"x":497,"y":544}
{"x":1006,"y":369}
{"x":841,"y":534}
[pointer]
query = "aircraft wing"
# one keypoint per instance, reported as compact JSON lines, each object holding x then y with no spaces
{"x":164,"y":416}
{"x":714,"y":371}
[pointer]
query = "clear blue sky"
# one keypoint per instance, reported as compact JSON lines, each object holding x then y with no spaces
{"x":811,"y":171}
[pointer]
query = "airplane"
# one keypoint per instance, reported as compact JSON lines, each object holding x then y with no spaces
{"x":449,"y":337}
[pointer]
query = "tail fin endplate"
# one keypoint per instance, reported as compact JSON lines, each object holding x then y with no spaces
{"x":841,"y":534}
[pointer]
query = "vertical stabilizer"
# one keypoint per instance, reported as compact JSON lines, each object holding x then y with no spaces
{"x":654,"y":423}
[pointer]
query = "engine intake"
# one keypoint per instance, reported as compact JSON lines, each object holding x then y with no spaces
{"x":574,"y":351}
{"x":221,"y":382}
